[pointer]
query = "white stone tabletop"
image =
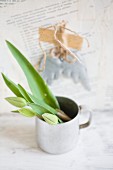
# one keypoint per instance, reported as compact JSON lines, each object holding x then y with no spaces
{"x":19,"y":150}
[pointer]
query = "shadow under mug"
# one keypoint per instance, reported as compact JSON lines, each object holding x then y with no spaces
{"x":61,"y":138}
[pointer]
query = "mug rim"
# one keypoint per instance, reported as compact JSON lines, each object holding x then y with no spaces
{"x":64,"y":123}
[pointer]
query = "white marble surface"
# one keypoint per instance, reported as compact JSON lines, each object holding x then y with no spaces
{"x":19,"y":151}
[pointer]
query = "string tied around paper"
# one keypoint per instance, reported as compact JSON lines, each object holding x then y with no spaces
{"x":61,"y":41}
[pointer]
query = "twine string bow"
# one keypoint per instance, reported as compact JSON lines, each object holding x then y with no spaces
{"x":61,"y":50}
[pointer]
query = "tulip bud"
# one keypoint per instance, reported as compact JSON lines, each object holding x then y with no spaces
{"x":17,"y":101}
{"x":50,"y":118}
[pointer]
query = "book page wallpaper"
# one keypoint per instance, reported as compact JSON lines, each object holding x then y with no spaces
{"x":93,"y":19}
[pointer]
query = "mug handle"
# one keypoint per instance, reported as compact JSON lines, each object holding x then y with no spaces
{"x":85,"y":117}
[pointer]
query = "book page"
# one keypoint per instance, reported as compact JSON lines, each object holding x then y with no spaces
{"x":19,"y":24}
{"x":105,"y":83}
{"x":5,"y":3}
{"x":34,"y":15}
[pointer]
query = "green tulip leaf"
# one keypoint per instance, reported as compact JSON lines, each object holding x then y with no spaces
{"x":42,"y":104}
{"x":12,"y":86}
{"x":37,"y":85}
{"x":60,"y":121}
{"x":50,"y":119}
{"x":17,"y":101}
{"x":24,"y":93}
{"x":37,"y":108}
{"x":15,"y":111}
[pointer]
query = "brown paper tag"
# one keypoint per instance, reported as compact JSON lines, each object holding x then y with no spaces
{"x":73,"y":41}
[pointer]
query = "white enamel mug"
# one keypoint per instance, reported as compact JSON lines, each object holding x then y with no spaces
{"x":61,"y":138}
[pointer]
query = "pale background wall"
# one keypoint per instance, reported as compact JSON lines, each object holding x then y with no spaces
{"x":94,"y":18}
